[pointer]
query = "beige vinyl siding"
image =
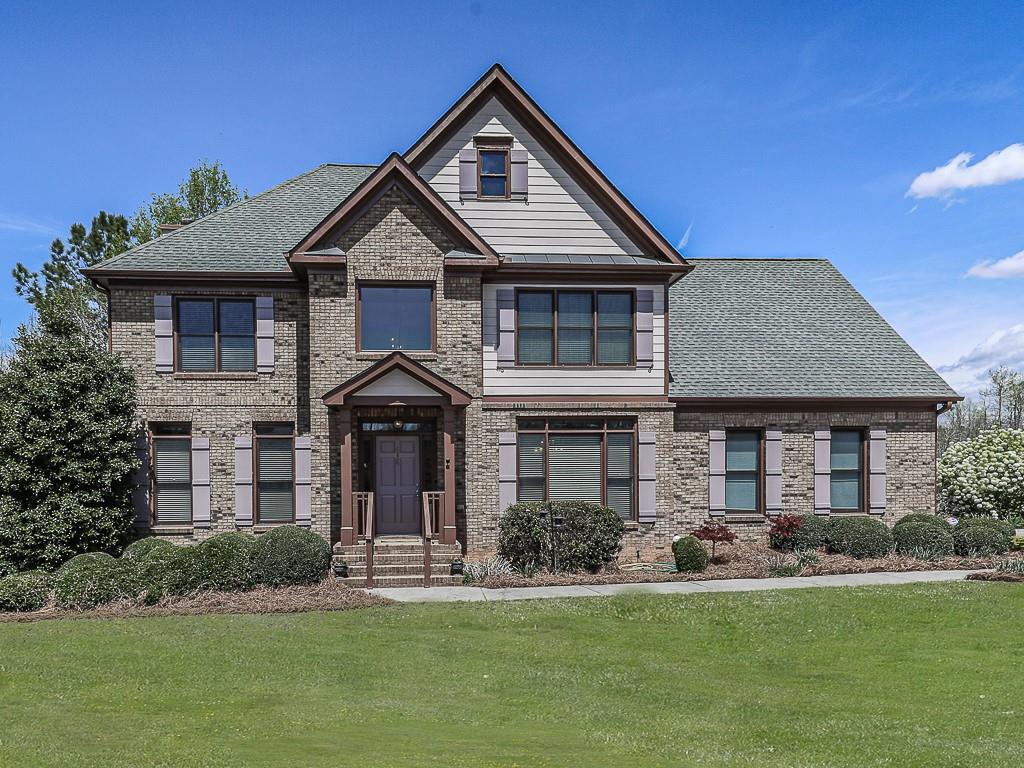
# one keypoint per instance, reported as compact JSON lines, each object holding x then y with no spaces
{"x":558,"y":216}
{"x":598,"y":380}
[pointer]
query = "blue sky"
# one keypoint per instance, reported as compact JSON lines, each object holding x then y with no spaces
{"x":768,"y":129}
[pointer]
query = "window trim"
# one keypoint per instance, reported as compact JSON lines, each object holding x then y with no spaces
{"x":256,"y":437}
{"x":153,"y":434}
{"x":505,"y":149}
{"x":604,"y":431}
{"x":594,"y":328}
{"x":863,"y":482}
{"x":759,"y":472}
{"x":216,"y":333}
{"x":360,"y":284}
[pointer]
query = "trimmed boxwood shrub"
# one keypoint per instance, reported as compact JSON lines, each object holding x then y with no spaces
{"x":289,"y":555}
{"x":222,"y":563}
{"x":144,"y":547}
{"x":978,"y":541}
{"x":1002,"y":527}
{"x":26,"y":591}
{"x":88,"y":582}
{"x":858,"y":537}
{"x":85,"y":558}
{"x":798,"y":532}
{"x":590,"y":536}
{"x":691,"y":555}
{"x":924,"y":540}
{"x":924,"y":517}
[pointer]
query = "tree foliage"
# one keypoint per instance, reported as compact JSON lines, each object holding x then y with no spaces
{"x":67,"y":445}
{"x":1000,"y":404}
{"x":984,"y":475}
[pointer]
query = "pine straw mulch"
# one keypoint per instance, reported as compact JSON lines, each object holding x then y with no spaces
{"x":745,"y":561}
{"x":997,"y":576}
{"x":328,"y":595}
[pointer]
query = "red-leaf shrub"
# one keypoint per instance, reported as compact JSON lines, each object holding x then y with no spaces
{"x":715,"y":533}
{"x":784,"y":528}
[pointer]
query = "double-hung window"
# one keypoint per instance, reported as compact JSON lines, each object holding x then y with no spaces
{"x":742,"y":472}
{"x":847,"y":468}
{"x":171,"y":474}
{"x":575,"y":327}
{"x":275,"y":473}
{"x":216,"y":335}
{"x":493,"y":179}
{"x":578,"y":460}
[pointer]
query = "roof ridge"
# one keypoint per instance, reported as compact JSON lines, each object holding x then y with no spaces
{"x":760,"y":258}
{"x":114,"y":259}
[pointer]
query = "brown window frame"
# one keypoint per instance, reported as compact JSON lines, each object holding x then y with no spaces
{"x":862,"y":469}
{"x":166,"y":431}
{"x":506,"y":150}
{"x":759,"y":473}
{"x":256,"y":437}
{"x":360,"y":284}
{"x":216,"y":300}
{"x":595,"y":328}
{"x":604,"y":431}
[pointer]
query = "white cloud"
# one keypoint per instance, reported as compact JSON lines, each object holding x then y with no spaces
{"x":1011,"y":266}
{"x":13,"y":223}
{"x":968,"y":374}
{"x":685,"y":238}
{"x":1001,"y":167}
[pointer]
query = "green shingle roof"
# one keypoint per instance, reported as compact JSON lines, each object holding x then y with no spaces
{"x":250,"y":236}
{"x":765,"y":328}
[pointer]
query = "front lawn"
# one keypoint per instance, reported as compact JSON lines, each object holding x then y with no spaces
{"x":928,"y":675}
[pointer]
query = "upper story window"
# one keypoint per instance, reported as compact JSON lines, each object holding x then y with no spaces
{"x":171,"y":473}
{"x":493,"y":164}
{"x":275,"y":473}
{"x":847,"y":465}
{"x":742,"y":471}
{"x":394,"y":317}
{"x":215,"y":334}
{"x":574,"y":327}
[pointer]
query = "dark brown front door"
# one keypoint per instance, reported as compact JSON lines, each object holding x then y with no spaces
{"x":398,"y":485}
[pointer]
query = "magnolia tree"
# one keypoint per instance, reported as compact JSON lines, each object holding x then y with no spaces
{"x":985,"y":475}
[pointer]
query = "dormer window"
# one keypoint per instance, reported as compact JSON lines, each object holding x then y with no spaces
{"x":493,"y":164}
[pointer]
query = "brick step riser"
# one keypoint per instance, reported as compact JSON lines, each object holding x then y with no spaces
{"x":396,"y":570}
{"x":448,"y":549}
{"x":403,"y":581}
{"x":395,"y":559}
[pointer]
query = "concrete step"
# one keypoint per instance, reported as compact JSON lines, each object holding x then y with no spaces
{"x":398,"y":570}
{"x":403,"y":581}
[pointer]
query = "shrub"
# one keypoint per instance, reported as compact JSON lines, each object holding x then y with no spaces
{"x":926,"y":518}
{"x":222,"y":563}
{"x":26,"y":591}
{"x":978,"y":541}
{"x":1001,"y":527}
{"x":925,"y":541}
{"x":858,"y":537}
{"x":85,"y":558}
{"x":691,"y":555}
{"x":144,"y":547}
{"x":289,"y":555}
{"x":793,"y":532}
{"x":714,"y":532}
{"x":1017,"y":543}
{"x":784,"y":571}
{"x":590,"y":536}
{"x":985,"y":475}
{"x":89,"y":582}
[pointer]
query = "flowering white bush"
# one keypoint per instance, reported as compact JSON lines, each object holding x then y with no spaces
{"x":984,"y":476}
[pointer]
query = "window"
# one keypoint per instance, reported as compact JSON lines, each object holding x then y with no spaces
{"x":275,"y":473}
{"x":847,"y":482}
{"x":742,"y":472}
{"x":216,"y":334}
{"x":557,"y":327}
{"x":171,"y":471}
{"x":396,"y":317}
{"x":493,"y":165}
{"x":578,"y":460}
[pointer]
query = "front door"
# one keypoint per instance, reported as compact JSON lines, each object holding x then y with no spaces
{"x":398,"y":485}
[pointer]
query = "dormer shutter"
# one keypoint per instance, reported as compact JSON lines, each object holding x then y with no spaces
{"x":645,"y":328}
{"x":506,"y":350}
{"x":520,"y":176}
{"x":467,"y":174}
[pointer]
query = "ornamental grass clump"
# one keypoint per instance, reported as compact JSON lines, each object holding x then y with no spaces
{"x":925,"y":541}
{"x":858,"y":537}
{"x":691,"y":554}
{"x":985,"y":475}
{"x":27,"y":591}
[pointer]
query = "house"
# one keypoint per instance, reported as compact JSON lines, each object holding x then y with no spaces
{"x":393,"y":354}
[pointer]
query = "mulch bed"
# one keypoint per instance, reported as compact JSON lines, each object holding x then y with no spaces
{"x":746,"y":561}
{"x":328,"y":595}
{"x":997,"y":576}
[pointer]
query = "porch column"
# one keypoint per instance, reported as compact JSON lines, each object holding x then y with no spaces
{"x":348,"y":535}
{"x":448,"y":534}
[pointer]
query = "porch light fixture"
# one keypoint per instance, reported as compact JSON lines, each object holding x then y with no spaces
{"x":398,"y":424}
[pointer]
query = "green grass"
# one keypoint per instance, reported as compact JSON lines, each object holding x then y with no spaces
{"x":928,"y":675}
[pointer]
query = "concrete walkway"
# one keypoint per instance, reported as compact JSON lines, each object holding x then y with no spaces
{"x":477,"y":594}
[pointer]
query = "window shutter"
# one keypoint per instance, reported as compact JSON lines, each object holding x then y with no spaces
{"x":467,"y":174}
{"x":520,"y":177}
{"x":201,"y":482}
{"x":506,"y":470}
{"x":773,"y":471}
{"x":822,"y":471}
{"x":163,"y":328}
{"x":264,"y":334}
{"x":506,"y":301}
{"x":645,"y":329}
{"x":140,"y":495}
{"x":243,"y":481}
{"x":876,"y":460}
{"x":303,"y":480}
{"x":646,"y":478}
{"x":716,"y":472}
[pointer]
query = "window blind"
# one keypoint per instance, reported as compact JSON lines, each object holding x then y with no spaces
{"x":237,"y":336}
{"x":614,"y":328}
{"x":172,"y":474}
{"x":575,"y":328}
{"x":846,"y":469}
{"x":574,"y":466}
{"x":275,"y":464}
{"x":531,"y":467}
{"x":741,"y":470}
{"x":620,"y":474}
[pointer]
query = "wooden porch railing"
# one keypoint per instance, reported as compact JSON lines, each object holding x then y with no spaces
{"x":433,"y":503}
{"x":362,"y":509}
